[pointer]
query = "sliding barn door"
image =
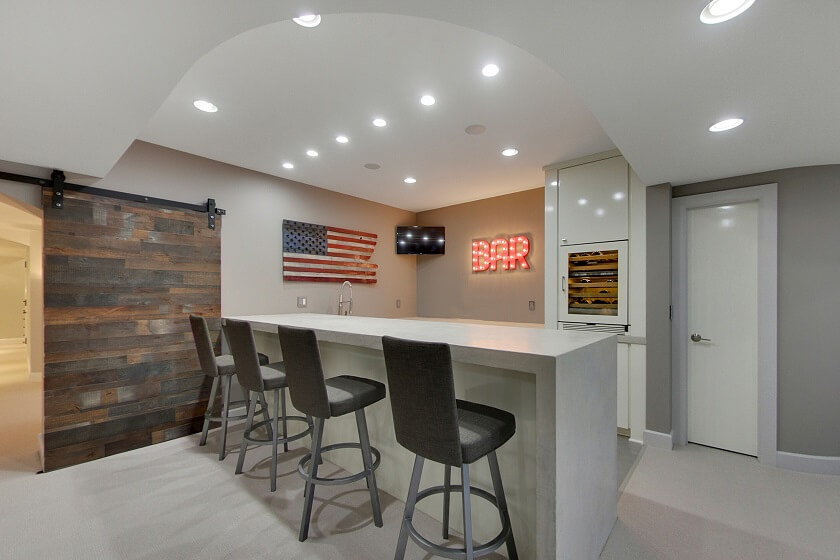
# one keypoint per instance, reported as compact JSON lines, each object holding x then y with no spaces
{"x":120,"y":279}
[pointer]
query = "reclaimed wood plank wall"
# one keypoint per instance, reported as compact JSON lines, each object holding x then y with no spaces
{"x":120,"y":279}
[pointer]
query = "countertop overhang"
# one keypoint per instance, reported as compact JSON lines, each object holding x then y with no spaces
{"x":521,"y":348}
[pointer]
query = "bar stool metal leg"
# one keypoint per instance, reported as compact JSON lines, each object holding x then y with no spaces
{"x":309,"y":489}
{"x":209,"y":413}
{"x":499,"y":490}
{"x":465,"y":481}
{"x":266,"y":417}
{"x":274,"y":440}
{"x":364,"y":440}
{"x":410,"y":502}
{"x":447,"y":475}
{"x":248,"y":424}
{"x":283,"y":405}
{"x":225,"y":406}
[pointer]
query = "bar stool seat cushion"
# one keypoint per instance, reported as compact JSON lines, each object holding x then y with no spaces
{"x":482,"y":429}
{"x":273,"y":377}
{"x":347,"y":393}
{"x":225,"y":363}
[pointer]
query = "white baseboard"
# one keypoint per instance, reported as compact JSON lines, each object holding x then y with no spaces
{"x":815,"y":464}
{"x":634,"y":440}
{"x":658,"y":439}
{"x":41,"y":449}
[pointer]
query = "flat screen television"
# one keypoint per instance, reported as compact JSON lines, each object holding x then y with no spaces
{"x":420,"y":240}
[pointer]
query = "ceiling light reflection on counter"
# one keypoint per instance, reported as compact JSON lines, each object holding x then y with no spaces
{"x":204,"y":105}
{"x":718,"y":11}
{"x":490,"y":70}
{"x":510,"y":152}
{"x":341,"y":139}
{"x":308,"y":20}
{"x":726,"y":124}
{"x":427,"y":100}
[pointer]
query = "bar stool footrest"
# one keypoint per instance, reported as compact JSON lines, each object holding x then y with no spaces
{"x":304,"y":461}
{"x":458,"y":553}
{"x":232,"y":404}
{"x":268,"y":441}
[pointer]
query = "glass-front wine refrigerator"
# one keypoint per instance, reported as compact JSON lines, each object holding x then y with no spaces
{"x":593,"y":286}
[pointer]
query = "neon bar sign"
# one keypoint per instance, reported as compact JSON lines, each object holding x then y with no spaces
{"x":508,"y":252}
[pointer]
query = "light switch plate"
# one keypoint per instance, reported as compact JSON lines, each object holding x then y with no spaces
{"x":399,"y":303}
{"x":301,"y":301}
{"x":532,"y":305}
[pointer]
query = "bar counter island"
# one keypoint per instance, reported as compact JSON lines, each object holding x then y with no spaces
{"x":559,"y":469}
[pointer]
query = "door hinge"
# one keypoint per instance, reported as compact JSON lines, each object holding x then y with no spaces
{"x":57,"y":189}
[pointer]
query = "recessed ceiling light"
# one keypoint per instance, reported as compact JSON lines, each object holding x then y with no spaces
{"x":718,"y":11}
{"x":618,"y":196}
{"x":490,"y":70}
{"x":475,"y":129}
{"x":311,"y":153}
{"x":554,"y":183}
{"x":288,"y":165}
{"x":372,"y":166}
{"x":510,"y":152}
{"x":599,"y":212}
{"x":204,"y":105}
{"x":410,"y":180}
{"x":379,"y":122}
{"x":582,"y":201}
{"x":427,"y":100}
{"x":341,"y":139}
{"x":308,"y":20}
{"x":726,"y":124}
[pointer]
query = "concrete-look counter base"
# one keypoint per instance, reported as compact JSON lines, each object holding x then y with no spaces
{"x":559,"y":470}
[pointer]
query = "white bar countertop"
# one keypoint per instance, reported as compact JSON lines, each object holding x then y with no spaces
{"x":519,"y":348}
{"x":559,"y":468}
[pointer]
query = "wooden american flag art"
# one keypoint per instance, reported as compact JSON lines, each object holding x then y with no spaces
{"x":316,"y":253}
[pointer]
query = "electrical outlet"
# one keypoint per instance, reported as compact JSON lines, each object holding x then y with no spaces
{"x":532,"y":305}
{"x":301,"y":301}
{"x":399,"y":303}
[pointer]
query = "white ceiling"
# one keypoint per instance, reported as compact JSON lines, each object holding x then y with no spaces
{"x":82,"y":80}
{"x":282,"y":89}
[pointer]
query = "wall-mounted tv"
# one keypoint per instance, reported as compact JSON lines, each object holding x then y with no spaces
{"x":420,"y":240}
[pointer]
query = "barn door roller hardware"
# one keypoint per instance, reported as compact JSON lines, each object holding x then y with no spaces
{"x":57,"y":189}
{"x":211,"y":213}
{"x":58,"y":185}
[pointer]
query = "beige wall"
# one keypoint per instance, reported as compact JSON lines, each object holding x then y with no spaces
{"x":256,"y":205}
{"x":446,"y":284}
{"x":13,"y":280}
{"x":21,"y":222}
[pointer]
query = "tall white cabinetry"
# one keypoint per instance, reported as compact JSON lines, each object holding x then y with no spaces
{"x":590,"y":204}
{"x":593,"y":202}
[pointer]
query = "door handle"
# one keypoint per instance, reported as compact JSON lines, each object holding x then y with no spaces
{"x":697,"y":338}
{"x":563,"y":283}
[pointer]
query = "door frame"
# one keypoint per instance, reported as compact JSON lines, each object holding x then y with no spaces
{"x":767,"y":198}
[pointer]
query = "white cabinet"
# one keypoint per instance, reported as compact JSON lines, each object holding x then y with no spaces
{"x":592,"y":202}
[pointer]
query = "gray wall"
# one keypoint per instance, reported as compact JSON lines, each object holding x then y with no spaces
{"x":809,"y":304}
{"x":446,"y":284}
{"x":658,"y":308}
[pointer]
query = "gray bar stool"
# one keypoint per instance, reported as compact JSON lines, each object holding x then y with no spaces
{"x":323,"y":399}
{"x":221,"y":370}
{"x":431,"y":423}
{"x":258,"y":379}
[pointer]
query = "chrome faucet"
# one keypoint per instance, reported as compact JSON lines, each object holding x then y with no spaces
{"x":341,"y":301}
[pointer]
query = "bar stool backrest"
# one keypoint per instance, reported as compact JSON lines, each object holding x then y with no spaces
{"x":422,"y":391}
{"x":204,"y":345}
{"x":245,"y":357}
{"x":303,"y":371}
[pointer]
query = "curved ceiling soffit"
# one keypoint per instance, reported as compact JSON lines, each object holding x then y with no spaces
{"x":389,"y":8}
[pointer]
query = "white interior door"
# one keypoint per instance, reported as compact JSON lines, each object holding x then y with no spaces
{"x":722,"y":247}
